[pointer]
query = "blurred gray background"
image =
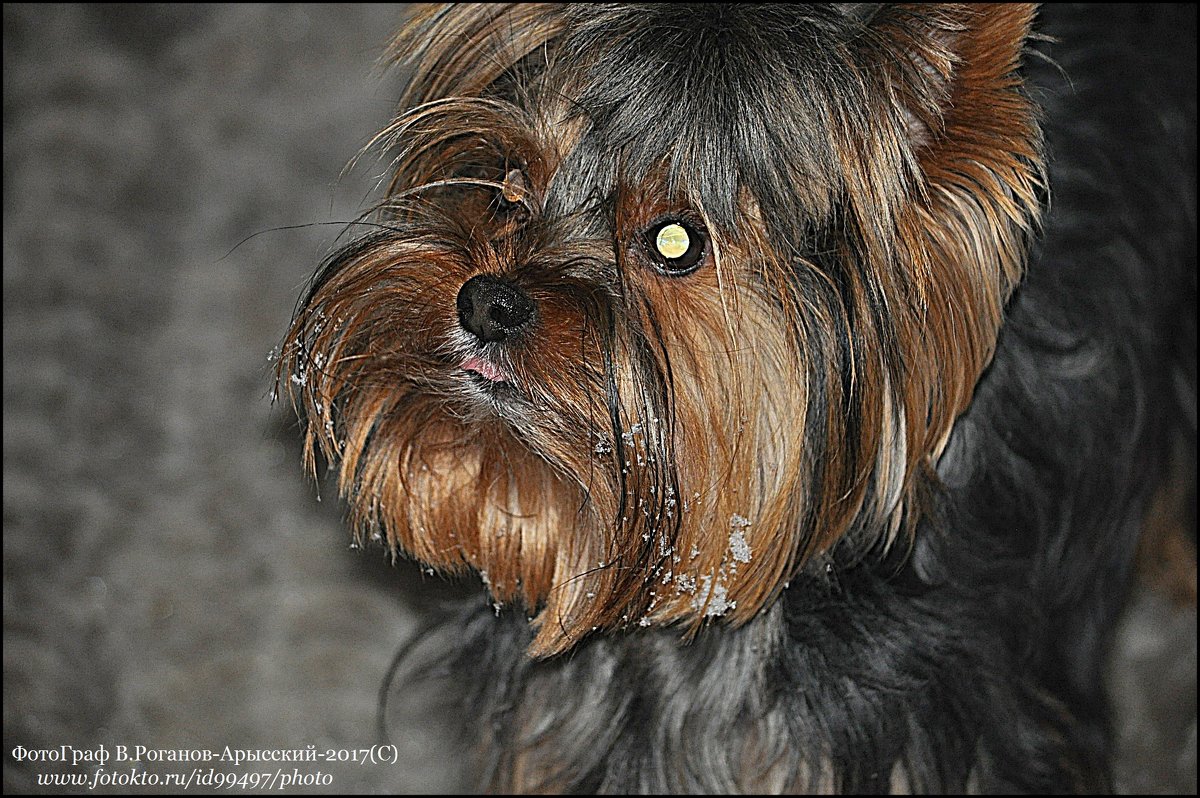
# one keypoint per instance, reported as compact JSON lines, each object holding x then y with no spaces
{"x":170,"y":578}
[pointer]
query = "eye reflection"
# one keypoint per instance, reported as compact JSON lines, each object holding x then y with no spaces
{"x":676,"y":247}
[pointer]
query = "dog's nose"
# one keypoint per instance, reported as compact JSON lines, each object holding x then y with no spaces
{"x":492,"y":309}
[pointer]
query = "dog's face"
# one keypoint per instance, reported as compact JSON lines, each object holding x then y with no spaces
{"x":666,"y":303}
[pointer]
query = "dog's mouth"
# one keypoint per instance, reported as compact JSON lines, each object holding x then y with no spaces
{"x":484,"y":369}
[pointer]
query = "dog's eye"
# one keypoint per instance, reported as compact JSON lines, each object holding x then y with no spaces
{"x":513,"y":189}
{"x":513,"y":196}
{"x":677,"y":248}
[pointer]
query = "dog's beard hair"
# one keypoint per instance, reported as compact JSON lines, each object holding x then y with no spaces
{"x":680,"y":448}
{"x":571,"y":496}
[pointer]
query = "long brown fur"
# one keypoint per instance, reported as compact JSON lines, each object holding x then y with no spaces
{"x":579,"y":520}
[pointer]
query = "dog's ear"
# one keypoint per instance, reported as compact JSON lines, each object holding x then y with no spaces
{"x":954,"y":71}
{"x":459,"y":49}
{"x":967,"y":147}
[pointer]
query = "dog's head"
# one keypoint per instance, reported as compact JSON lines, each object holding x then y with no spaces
{"x":665,"y":303}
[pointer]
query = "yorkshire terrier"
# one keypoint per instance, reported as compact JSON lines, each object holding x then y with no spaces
{"x":798,"y":379}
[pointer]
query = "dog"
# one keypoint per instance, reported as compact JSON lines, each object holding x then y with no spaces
{"x":797,"y":379}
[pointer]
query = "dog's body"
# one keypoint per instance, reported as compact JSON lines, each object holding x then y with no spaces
{"x":917,"y":510}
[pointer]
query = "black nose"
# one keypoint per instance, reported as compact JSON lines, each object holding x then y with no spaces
{"x":492,"y":309}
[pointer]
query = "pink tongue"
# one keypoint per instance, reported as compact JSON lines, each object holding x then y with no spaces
{"x":483,"y":368}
